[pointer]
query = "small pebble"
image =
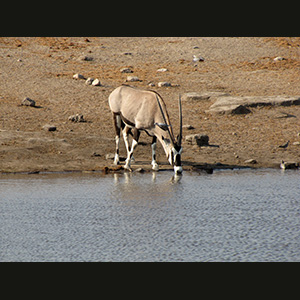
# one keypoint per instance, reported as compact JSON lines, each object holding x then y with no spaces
{"x":163,"y":84}
{"x":89,"y":81}
{"x":28,"y":102}
{"x":96,"y":82}
{"x":251,"y":161}
{"x":78,"y":76}
{"x":278,"y":58}
{"x":126,"y":70}
{"x":132,"y":78}
{"x":162,"y":70}
{"x":48,"y":127}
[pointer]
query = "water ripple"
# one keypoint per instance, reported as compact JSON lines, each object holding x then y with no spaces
{"x":225,"y":216}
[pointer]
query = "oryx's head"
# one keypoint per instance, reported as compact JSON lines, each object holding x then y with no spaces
{"x":173,"y":147}
{"x":174,"y":157}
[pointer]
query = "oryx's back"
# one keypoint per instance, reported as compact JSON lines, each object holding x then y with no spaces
{"x":137,"y":106}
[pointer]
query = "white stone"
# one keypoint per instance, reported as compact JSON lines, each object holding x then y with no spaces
{"x":278,"y":58}
{"x":96,"y":82}
{"x":162,"y":70}
{"x":163,"y":84}
{"x":78,"y":76}
{"x":132,"y":78}
{"x":197,"y":58}
{"x":89,"y":81}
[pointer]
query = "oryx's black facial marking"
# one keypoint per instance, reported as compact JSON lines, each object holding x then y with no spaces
{"x":177,"y":147}
{"x":176,"y":157}
{"x":177,"y":161}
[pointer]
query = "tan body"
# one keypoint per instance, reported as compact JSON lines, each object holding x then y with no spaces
{"x":139,"y":110}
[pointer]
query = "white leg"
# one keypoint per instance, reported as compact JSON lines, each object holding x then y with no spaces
{"x":125,"y":137}
{"x":126,"y":141}
{"x":117,"y":123}
{"x":117,"y":159}
{"x":128,"y":160}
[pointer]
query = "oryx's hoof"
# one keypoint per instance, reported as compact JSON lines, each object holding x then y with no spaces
{"x":155,"y":167}
{"x":127,"y":169}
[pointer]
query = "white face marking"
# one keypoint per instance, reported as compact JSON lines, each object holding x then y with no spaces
{"x":177,"y":170}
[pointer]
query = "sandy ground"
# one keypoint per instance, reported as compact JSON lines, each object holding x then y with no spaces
{"x":42,"y":69}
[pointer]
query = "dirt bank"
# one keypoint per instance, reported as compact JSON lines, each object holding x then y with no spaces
{"x":43,"y":68}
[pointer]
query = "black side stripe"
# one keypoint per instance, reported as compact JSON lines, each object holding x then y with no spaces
{"x":127,"y":122}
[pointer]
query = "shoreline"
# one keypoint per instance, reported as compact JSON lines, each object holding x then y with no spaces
{"x":47,"y":137}
{"x":111,"y":169}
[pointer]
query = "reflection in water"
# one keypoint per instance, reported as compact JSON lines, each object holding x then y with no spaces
{"x":225,"y":216}
{"x":145,"y":189}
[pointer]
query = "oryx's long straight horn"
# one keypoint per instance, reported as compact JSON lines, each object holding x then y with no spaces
{"x":180,"y":122}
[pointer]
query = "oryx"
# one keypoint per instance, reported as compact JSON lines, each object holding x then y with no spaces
{"x":138,"y":110}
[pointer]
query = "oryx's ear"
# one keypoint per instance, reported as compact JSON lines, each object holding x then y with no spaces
{"x":162,"y":126}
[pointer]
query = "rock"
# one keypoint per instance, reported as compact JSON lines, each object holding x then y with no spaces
{"x":96,"y":82}
{"x":282,"y":115}
{"x":126,"y":70}
{"x":89,"y":81}
{"x":162,"y":70}
{"x":164,"y":84}
{"x":95,"y":154}
{"x":78,"y":76}
{"x":250,"y":161}
{"x":48,"y":127}
{"x":152,"y":84}
{"x":229,"y":104}
{"x":86,"y":58}
{"x":285,"y":165}
{"x":230,"y":109}
{"x":296,"y":143}
{"x":191,"y":96}
{"x":254,"y":101}
{"x":77,"y":118}
{"x":110,"y":156}
{"x":279,"y":58}
{"x":188,"y":127}
{"x":28,"y":102}
{"x":197,"y":139}
{"x":197,"y":58}
{"x":132,"y":78}
{"x":139,"y":170}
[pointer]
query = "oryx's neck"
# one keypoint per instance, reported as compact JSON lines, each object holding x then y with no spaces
{"x":165,"y":142}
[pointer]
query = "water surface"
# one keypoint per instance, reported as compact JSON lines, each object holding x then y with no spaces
{"x":242,"y":215}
